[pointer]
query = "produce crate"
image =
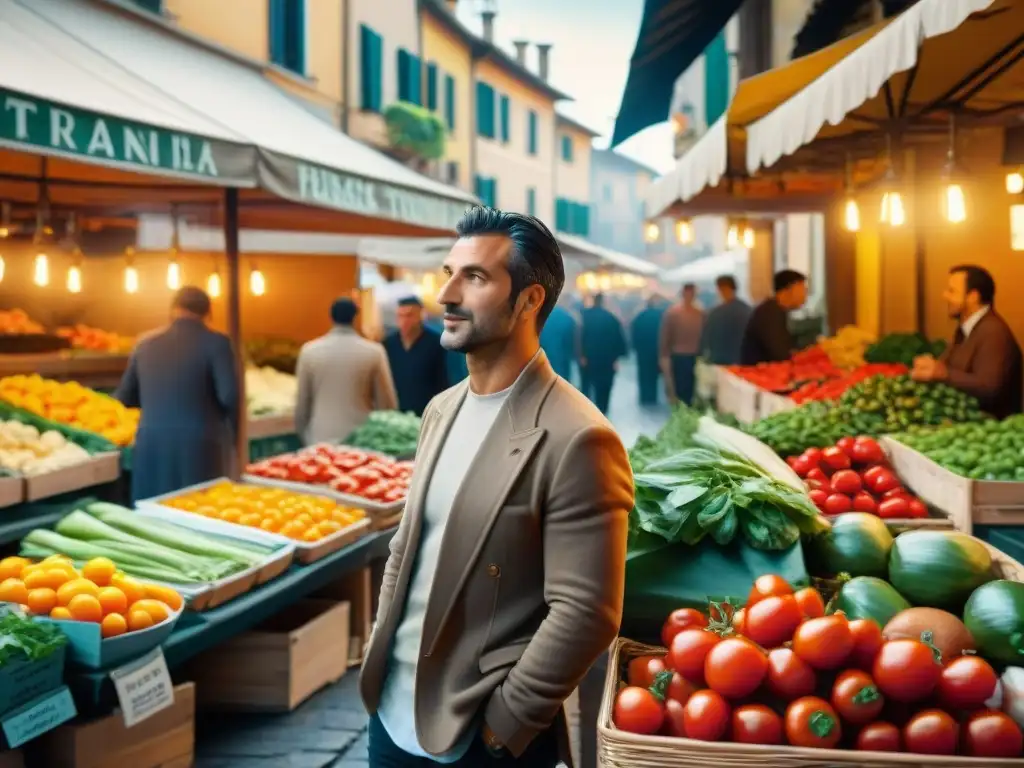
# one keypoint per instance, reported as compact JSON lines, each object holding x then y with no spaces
{"x":276,"y":425}
{"x":305,"y":551}
{"x":277,"y":666}
{"x":22,"y":680}
{"x":12,"y":491}
{"x":374,"y":509}
{"x":771,"y":403}
{"x":619,"y":749}
{"x":101,"y":468}
{"x":355,"y":589}
{"x":165,"y":740}
{"x":967,"y":502}
{"x":737,"y":397}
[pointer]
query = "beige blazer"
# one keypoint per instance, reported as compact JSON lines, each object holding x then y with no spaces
{"x":529,"y":583}
{"x":341,"y":378}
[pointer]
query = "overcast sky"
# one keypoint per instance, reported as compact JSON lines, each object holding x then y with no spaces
{"x":593,"y":41}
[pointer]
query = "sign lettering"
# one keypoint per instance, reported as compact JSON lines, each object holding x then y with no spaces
{"x":143,"y":687}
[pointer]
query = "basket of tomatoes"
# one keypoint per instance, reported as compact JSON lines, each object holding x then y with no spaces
{"x":784,"y":683}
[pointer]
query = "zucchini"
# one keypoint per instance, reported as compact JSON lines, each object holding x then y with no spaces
{"x":867,"y":597}
{"x":857,"y":544}
{"x":938,"y":569}
{"x":994,"y":616}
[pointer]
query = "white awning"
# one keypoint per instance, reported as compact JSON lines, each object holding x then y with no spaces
{"x":892,"y":49}
{"x":707,"y":268}
{"x":701,"y":166}
{"x":594,"y":256}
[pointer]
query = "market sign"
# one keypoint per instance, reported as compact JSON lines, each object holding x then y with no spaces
{"x":51,"y":128}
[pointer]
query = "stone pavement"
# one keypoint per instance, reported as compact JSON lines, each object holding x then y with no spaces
{"x":329,"y":730}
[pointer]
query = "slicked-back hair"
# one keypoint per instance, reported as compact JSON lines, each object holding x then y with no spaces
{"x":535,"y":258}
{"x":977,"y":279}
{"x":787,"y":277}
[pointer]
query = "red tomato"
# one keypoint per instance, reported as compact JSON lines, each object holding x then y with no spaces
{"x":679,"y":689}
{"x":768,"y":586}
{"x":643,"y":669}
{"x":835,"y":458}
{"x":906,"y":670}
{"x":882,"y":481}
{"x":871,"y":473}
{"x":802,"y":465}
{"x":789,"y":677}
{"x":637,"y":710}
{"x":916,"y":509}
{"x":817,"y":474}
{"x":992,"y":734}
{"x":846,"y":481}
{"x":739,"y":621}
{"x":813,"y":455}
{"x":811,"y":603}
{"x":894,"y":507}
{"x":865,"y":502}
{"x":819,"y":485}
{"x":756,"y":724}
{"x":772,"y":621}
{"x":837,"y":504}
{"x":706,"y":716}
{"x":846,"y":444}
{"x":735,"y":668}
{"x":825,"y":642}
{"x":879,"y":737}
{"x":867,"y":640}
{"x":931,"y":732}
{"x":674,"y":719}
{"x":867,"y":451}
{"x":818,"y":496}
{"x":680,"y":619}
{"x":688,"y":650}
{"x":811,"y":722}
{"x":967,"y":682}
{"x":856,"y":698}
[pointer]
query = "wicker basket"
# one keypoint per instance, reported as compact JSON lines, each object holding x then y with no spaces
{"x":619,"y":749}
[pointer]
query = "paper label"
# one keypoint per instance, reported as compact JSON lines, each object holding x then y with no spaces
{"x":143,"y":687}
{"x":37,"y":717}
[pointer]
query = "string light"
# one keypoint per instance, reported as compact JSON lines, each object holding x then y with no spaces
{"x":684,"y":232}
{"x":956,"y":206}
{"x":732,"y":237}
{"x":174,"y":275}
{"x":748,"y":236}
{"x":893,"y":212}
{"x":257,"y":283}
{"x":851,"y":216}
{"x":74,"y":280}
{"x":213,"y":285}
{"x":1015,"y":182}
{"x":41,"y":270}
{"x":131,"y":274}
{"x":652,"y":232}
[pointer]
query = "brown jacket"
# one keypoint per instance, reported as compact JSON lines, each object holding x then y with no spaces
{"x":529,"y":583}
{"x":987,"y":364}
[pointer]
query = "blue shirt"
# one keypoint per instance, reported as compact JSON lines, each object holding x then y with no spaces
{"x":419,"y":372}
{"x":558,"y":339}
{"x":724,"y":327}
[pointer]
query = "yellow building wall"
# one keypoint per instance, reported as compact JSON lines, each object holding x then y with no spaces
{"x":238,"y":25}
{"x":572,"y":179}
{"x":510,"y":164}
{"x":453,"y":57}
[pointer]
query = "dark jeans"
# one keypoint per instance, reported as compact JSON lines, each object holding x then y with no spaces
{"x":542,"y":753}
{"x":597,"y":385}
{"x":647,"y":374}
{"x":684,"y":369}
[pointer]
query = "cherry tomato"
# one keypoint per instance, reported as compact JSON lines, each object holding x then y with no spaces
{"x":819,"y":475}
{"x":837,"y":504}
{"x":931,"y":732}
{"x":846,"y":481}
{"x":772,"y":621}
{"x":680,"y":619}
{"x":637,"y":710}
{"x":906,"y":670}
{"x":967,"y":682}
{"x":735,"y":668}
{"x":679,"y":689}
{"x":789,"y":677}
{"x":894,"y":508}
{"x":879,"y":737}
{"x":768,"y":585}
{"x":856,"y":697}
{"x":867,"y":451}
{"x":818,"y":496}
{"x":835,"y":459}
{"x":916,"y":509}
{"x":812,"y":605}
{"x":811,"y":722}
{"x":867,"y":640}
{"x":688,"y":650}
{"x":845,"y":444}
{"x":992,"y":734}
{"x":881,"y":481}
{"x":865,"y":502}
{"x":813,"y":455}
{"x":825,"y":642}
{"x":674,"y":718}
{"x":706,"y":716}
{"x":802,"y":465}
{"x":643,"y":669}
{"x":756,"y":724}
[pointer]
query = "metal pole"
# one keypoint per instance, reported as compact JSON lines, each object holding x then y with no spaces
{"x":234,"y":296}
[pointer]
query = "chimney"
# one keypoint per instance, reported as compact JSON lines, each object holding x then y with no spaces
{"x":521,"y":46}
{"x":453,"y":6}
{"x":488,"y":18}
{"x":543,"y":51}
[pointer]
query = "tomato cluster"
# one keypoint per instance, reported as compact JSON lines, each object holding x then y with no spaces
{"x":833,"y":388}
{"x":854,"y":476}
{"x":782,"y":671}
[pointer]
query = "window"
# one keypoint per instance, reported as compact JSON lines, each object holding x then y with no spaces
{"x":572,"y":218}
{"x":531,"y":201}
{"x":371,"y":54}
{"x":581,"y":219}
{"x":432,"y":87}
{"x":487,"y":190}
{"x":410,"y":80}
{"x":561,"y":215}
{"x":452,"y":174}
{"x":506,"y":116}
{"x":153,"y":6}
{"x":288,"y":34}
{"x":567,"y":148}
{"x":531,"y":133}
{"x":449,"y":102}
{"x":485,"y":110}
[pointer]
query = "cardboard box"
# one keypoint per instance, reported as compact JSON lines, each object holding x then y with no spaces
{"x":354,"y":588}
{"x":277,"y":666}
{"x":165,"y":740}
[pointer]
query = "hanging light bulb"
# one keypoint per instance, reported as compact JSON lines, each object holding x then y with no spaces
{"x":897,"y":214}
{"x":74,"y":280}
{"x":955,"y":205}
{"x":748,"y":236}
{"x":732,"y":237}
{"x":652,"y":232}
{"x":684,"y":232}
{"x":213,"y":285}
{"x":131,"y":274}
{"x":851,"y":215}
{"x":5,"y":232}
{"x":174,"y":274}
{"x":257,"y":283}
{"x":41,"y":270}
{"x":41,"y":264}
{"x":892,"y":212}
{"x":1015,"y":182}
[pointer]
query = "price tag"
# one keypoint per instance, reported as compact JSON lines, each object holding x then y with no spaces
{"x":38,"y":716}
{"x":143,"y":687}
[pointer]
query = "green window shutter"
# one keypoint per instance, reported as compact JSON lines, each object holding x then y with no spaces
{"x":415,"y":80}
{"x":567,"y":148}
{"x":493,"y":196}
{"x":478,"y":186}
{"x":432,"y":87}
{"x":487,"y":190}
{"x":561,"y":215}
{"x":449,"y":102}
{"x":371,"y":51}
{"x":484,"y":110}
{"x":287,"y":21}
{"x":531,"y":201}
{"x":716,"y":79}
{"x":405,"y":76}
{"x":506,"y":128}
{"x":531,"y":132}
{"x":584,"y":220}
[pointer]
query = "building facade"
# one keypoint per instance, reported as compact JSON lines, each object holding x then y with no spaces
{"x":573,"y":176}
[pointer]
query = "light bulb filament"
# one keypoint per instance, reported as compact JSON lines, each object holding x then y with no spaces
{"x":131,"y":280}
{"x":74,"y":281}
{"x":41,"y":270}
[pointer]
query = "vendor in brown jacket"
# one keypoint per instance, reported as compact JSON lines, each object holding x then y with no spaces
{"x":984,"y":359}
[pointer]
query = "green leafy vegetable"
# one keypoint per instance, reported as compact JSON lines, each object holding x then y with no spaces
{"x":21,"y":638}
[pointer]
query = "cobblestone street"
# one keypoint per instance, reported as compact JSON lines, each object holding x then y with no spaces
{"x":329,"y":730}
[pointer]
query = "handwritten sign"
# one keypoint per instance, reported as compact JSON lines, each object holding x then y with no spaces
{"x":143,"y":687}
{"x":39,"y":716}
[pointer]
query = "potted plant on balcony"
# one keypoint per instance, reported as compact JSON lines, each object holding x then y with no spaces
{"x":416,"y":135}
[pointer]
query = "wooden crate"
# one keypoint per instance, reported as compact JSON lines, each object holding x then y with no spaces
{"x":770,"y":403}
{"x":356,"y":589}
{"x":12,"y":491}
{"x":260,"y":427}
{"x":279,"y":665}
{"x":101,"y":468}
{"x":165,"y":740}
{"x":737,"y":397}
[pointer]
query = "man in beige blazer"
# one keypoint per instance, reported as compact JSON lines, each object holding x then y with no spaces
{"x":505,"y":579}
{"x":341,"y":378}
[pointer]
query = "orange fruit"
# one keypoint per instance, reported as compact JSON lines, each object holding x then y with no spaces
{"x":85,"y":607}
{"x":270,"y":524}
{"x":113,"y":624}
{"x":312,"y":534}
{"x":112,"y":600}
{"x":61,"y":614}
{"x":154,"y":608}
{"x":41,"y":601}
{"x":13,"y":591}
{"x":165,"y":595}
{"x":99,"y":571}
{"x":132,"y":589}
{"x":11,"y":567}
{"x":251,"y":519}
{"x":71,"y":589}
{"x":138,"y":620}
{"x":37,"y":579}
{"x":327,"y":527}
